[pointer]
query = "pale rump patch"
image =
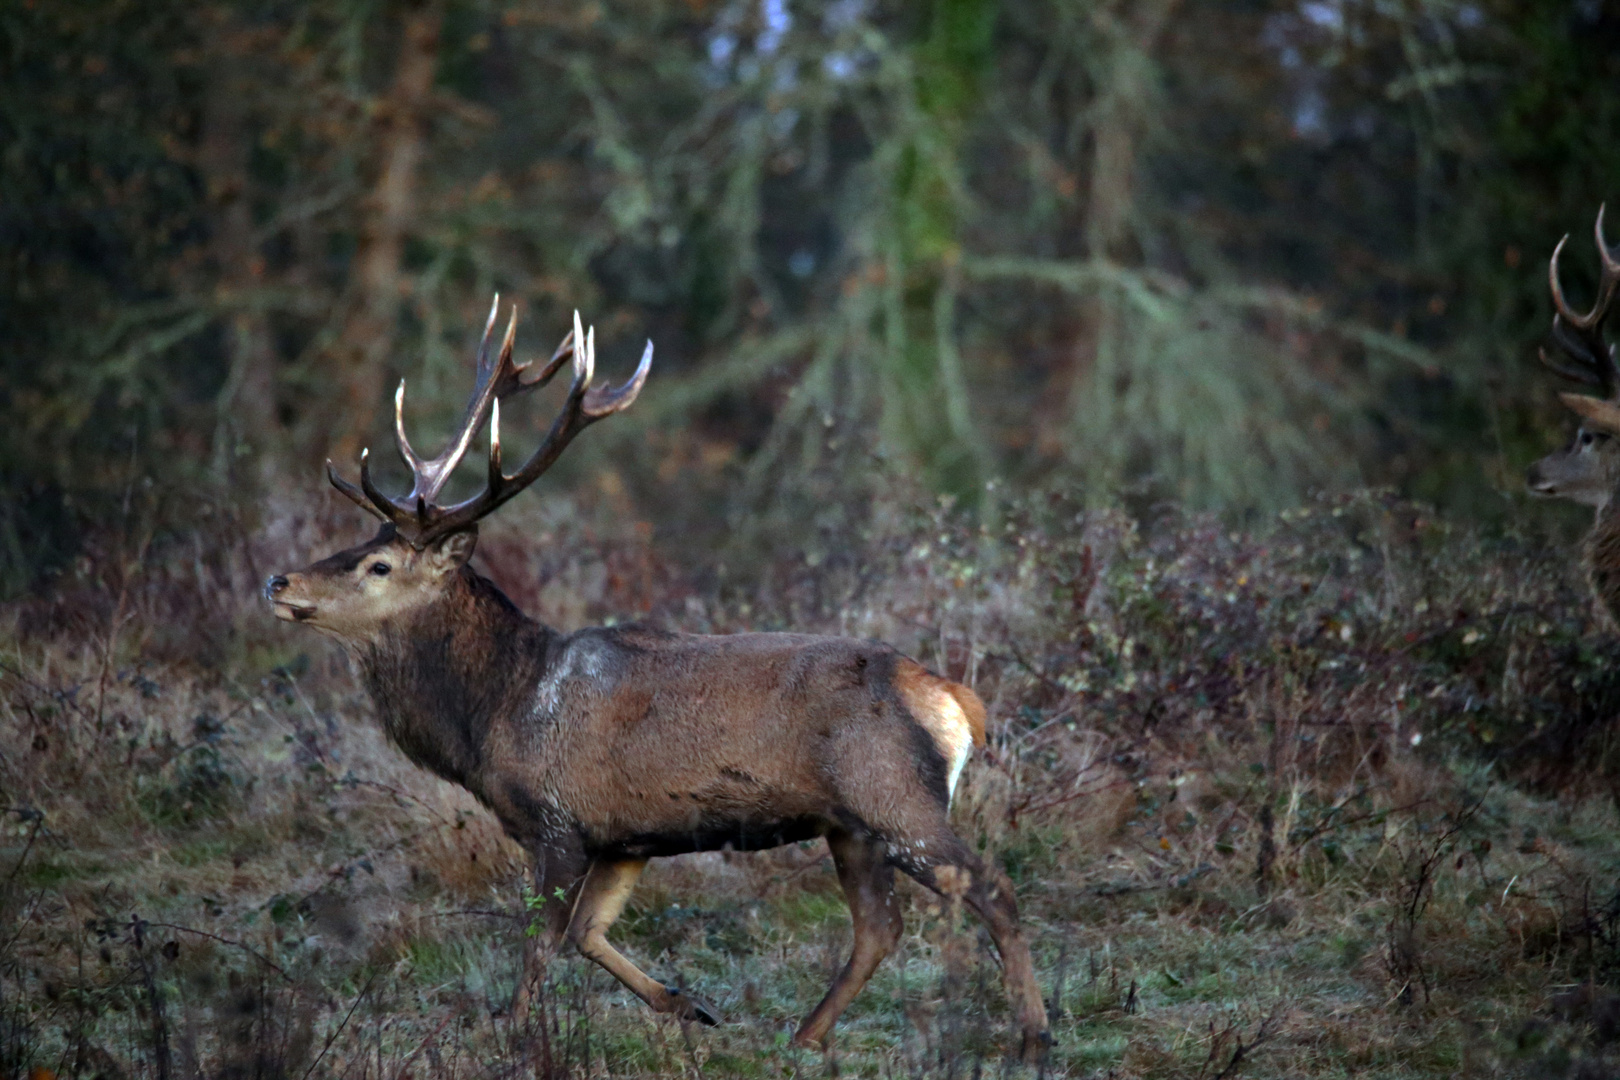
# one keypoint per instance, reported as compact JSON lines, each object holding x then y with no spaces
{"x":951,"y":713}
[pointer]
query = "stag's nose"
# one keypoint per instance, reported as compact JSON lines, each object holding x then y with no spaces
{"x":274,"y":586}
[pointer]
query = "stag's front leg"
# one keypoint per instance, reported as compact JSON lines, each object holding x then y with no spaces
{"x":557,"y":876}
{"x":602,"y":898}
{"x":868,"y":882}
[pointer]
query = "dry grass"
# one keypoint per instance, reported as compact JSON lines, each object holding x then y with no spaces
{"x":1327,"y":797}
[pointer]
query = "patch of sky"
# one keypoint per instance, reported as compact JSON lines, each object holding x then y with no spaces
{"x":1328,"y":14}
{"x":1310,"y":114}
{"x":838,"y":66}
{"x":748,"y":38}
{"x":1276,"y":32}
{"x":843,"y":15}
{"x":730,"y":54}
{"x":838,"y":18}
{"x":778,"y":21}
{"x":725,"y":40}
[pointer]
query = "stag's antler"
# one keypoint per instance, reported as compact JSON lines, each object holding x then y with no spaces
{"x":1581,"y":336}
{"x":418,"y":517}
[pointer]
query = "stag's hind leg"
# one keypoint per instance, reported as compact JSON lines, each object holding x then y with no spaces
{"x":908,"y":807}
{"x":944,"y":864}
{"x":601,"y":901}
{"x":868,"y":881}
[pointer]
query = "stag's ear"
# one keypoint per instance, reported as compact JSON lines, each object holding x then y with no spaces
{"x":450,"y":553}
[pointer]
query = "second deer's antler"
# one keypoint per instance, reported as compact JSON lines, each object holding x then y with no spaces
{"x":419,"y":517}
{"x":1579,"y":336}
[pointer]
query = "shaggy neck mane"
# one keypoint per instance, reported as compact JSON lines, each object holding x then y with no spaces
{"x":441,"y":678}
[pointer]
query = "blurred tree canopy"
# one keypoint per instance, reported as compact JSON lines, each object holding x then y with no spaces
{"x":1210,"y":250}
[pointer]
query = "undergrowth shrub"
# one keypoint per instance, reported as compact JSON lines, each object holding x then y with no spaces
{"x":1356,"y":728}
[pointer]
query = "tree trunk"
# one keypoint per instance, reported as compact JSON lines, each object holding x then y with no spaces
{"x":246,"y":419}
{"x":1125,"y":93}
{"x":372,"y":315}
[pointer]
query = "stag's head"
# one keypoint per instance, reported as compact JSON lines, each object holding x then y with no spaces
{"x":423,"y":544}
{"x":1588,"y":469}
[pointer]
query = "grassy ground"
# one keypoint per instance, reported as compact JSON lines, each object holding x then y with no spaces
{"x":1328,"y":797}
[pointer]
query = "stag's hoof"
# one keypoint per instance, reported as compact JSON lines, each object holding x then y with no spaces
{"x":688,"y":1006}
{"x":1036,"y":1045}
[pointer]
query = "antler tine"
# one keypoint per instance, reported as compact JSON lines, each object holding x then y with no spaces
{"x":429,"y":476}
{"x":605,"y":401}
{"x":1609,"y":287}
{"x":401,"y":442}
{"x":1607,"y":283}
{"x":491,"y":379}
{"x":388,"y":508}
{"x":1580,"y":336}
{"x":496,"y":479}
{"x":1586,"y":375}
{"x":584,"y":363}
{"x":354,"y":494}
{"x":1611,"y":264}
{"x":481,"y":364}
{"x":565,"y":351}
{"x":1560,"y":305}
{"x":1586,"y":347}
{"x":582,"y":408}
{"x":417,"y":516}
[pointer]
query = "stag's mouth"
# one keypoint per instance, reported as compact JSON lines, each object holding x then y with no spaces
{"x":294,"y":612}
{"x":1537,"y":484}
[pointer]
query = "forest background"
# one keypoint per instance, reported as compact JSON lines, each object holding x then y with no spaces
{"x":1221,"y":253}
{"x":1165,"y":369}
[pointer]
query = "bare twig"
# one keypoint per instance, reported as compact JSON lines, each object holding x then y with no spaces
{"x":250,"y":950}
{"x":405,"y":1069}
{"x":332,"y":1038}
{"x":1232,"y":1035}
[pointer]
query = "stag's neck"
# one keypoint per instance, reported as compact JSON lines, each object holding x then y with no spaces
{"x":1602,"y":558}
{"x":444,"y":678}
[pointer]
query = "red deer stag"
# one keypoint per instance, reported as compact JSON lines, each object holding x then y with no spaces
{"x":601,"y":749}
{"x":1588,"y":469}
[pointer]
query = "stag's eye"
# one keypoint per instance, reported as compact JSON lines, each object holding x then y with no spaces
{"x":380,"y":569}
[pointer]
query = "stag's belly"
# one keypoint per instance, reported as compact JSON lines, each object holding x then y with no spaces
{"x":644,"y":813}
{"x":708,"y":835}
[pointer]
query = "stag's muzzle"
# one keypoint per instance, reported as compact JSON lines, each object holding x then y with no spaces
{"x":275,"y":591}
{"x":1539,"y":482}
